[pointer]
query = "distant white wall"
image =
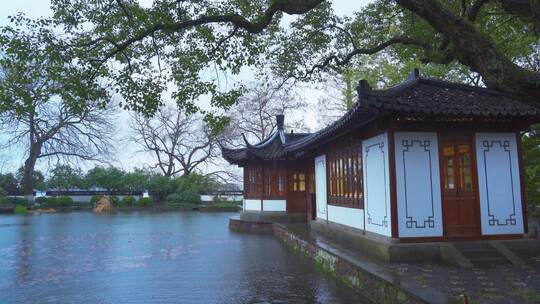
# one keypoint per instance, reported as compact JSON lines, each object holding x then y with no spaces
{"x":228,"y":198}
{"x":499,"y":183}
{"x":418,"y":184}
{"x":252,"y":205}
{"x":352,"y":217}
{"x":274,"y":205}
{"x":320,"y":187}
{"x":377,"y":184}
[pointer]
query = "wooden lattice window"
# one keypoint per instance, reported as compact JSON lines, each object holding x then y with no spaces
{"x":345,"y":181}
{"x":253,"y":182}
{"x":275,"y":181}
{"x":298,"y":181}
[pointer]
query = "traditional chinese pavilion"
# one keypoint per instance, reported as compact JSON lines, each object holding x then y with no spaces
{"x":424,"y":160}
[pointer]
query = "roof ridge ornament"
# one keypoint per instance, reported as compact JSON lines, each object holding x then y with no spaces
{"x":246,"y":141}
{"x":280,"y":121}
{"x":363,"y":91}
{"x":414,"y":74}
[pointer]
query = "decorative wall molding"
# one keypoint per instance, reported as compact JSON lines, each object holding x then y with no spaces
{"x":418,"y":184}
{"x":379,"y":148}
{"x":499,"y":183}
{"x":411,"y":221}
{"x":377,"y":184}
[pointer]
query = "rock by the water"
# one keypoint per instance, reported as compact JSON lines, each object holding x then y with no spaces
{"x":104,"y":205}
{"x":44,"y":210}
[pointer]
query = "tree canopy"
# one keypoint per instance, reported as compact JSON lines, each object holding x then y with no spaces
{"x":192,"y":44}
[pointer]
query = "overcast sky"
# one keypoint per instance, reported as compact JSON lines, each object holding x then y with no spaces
{"x":128,"y":157}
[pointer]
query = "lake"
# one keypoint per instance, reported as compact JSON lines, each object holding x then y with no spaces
{"x":143,"y":257}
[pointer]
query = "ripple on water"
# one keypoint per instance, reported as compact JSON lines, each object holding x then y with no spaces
{"x":153,"y":258}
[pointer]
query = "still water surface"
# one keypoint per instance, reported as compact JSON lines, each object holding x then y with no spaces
{"x":186,"y":257}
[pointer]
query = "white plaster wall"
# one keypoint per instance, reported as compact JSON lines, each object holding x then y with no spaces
{"x":352,"y":217}
{"x":274,"y":205}
{"x":320,"y":187}
{"x":252,"y":205}
{"x":377,"y":184}
{"x":418,"y":184}
{"x":499,"y":183}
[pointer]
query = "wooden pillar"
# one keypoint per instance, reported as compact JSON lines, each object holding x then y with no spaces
{"x":393,"y":192}
{"x":522,"y":183}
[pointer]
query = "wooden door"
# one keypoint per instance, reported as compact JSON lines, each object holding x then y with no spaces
{"x":296,"y":197}
{"x":461,"y":214}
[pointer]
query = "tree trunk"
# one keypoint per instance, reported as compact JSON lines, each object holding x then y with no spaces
{"x":477,"y":51}
{"x":28,"y":174}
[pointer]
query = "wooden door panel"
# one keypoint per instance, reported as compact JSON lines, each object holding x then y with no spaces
{"x":459,"y":189}
{"x":296,"y":197}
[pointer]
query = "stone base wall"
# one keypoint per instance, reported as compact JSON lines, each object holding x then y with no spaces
{"x":369,"y":284}
{"x":239,"y":225}
{"x":272,"y":216}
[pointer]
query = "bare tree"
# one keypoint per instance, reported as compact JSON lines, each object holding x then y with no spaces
{"x":254,"y":114}
{"x":181,"y":144}
{"x":50,"y":104}
{"x":52,"y":130}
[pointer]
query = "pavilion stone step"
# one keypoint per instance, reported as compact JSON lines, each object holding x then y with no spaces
{"x":481,"y":254}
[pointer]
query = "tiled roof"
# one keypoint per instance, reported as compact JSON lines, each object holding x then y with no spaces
{"x":270,"y":148}
{"x":427,"y":97}
{"x":417,"y":96}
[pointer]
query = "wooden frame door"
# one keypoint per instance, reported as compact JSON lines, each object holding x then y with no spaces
{"x":461,"y":208}
{"x":296,"y":196}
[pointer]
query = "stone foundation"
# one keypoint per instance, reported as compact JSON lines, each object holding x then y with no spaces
{"x":238,"y":225}
{"x":272,"y":216}
{"x":368,"y":283}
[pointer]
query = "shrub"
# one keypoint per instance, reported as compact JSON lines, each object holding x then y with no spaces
{"x":65,"y":201}
{"x":52,"y":202}
{"x":128,"y":200}
{"x":114,"y":200}
{"x":183,"y":198}
{"x":225,"y":205}
{"x":3,"y":192}
{"x":20,"y":209}
{"x":12,"y":201}
{"x":146,"y":201}
{"x":42,"y":200}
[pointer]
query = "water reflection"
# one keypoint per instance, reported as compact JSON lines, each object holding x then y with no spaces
{"x":152,"y":258}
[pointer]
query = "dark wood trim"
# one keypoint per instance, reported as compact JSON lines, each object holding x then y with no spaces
{"x":524,"y":206}
{"x":441,"y":181}
{"x":344,"y":205}
{"x":262,"y":188}
{"x":447,"y":239}
{"x":476,"y":183}
{"x":393,"y":184}
{"x":345,"y":174}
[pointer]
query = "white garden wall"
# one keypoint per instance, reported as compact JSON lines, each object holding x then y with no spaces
{"x":274,"y":205}
{"x":352,"y":217}
{"x":252,"y":205}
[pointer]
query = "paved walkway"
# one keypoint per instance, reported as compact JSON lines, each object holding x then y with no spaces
{"x":498,"y":284}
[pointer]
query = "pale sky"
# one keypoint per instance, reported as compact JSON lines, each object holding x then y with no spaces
{"x":127,"y":156}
